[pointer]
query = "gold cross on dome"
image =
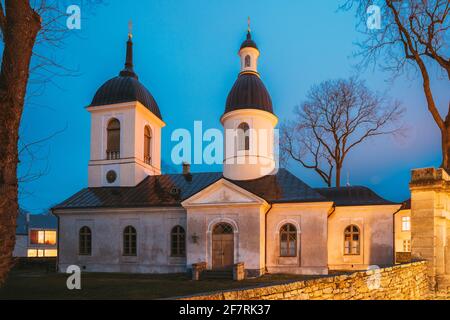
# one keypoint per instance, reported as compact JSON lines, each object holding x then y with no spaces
{"x":248,"y":24}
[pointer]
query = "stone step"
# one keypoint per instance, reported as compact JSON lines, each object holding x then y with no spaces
{"x":217,"y":274}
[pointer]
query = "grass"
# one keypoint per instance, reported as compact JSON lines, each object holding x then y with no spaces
{"x":38,"y":283}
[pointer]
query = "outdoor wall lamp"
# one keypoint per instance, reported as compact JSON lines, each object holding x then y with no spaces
{"x":195,"y":238}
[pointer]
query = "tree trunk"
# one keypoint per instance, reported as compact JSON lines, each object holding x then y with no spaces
{"x":19,"y":35}
{"x":338,"y":176}
{"x":445,"y":137}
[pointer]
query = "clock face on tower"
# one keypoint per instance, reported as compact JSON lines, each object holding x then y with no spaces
{"x":111,"y":176}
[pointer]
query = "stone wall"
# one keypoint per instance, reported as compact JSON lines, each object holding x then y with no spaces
{"x":430,"y":223}
{"x":407,"y":281}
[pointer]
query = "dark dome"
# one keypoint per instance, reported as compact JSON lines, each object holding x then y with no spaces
{"x":125,"y":89}
{"x":249,"y":42}
{"x":248,"y":92}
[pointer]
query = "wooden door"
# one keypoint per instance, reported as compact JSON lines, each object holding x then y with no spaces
{"x":222,"y":247}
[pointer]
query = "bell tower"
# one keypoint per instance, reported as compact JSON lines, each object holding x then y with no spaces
{"x":125,"y":130}
{"x":249,"y":121}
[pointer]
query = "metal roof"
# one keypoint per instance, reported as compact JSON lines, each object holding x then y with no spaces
{"x":248,"y":92}
{"x":172,"y":189}
{"x":353,"y":196}
{"x":125,"y":89}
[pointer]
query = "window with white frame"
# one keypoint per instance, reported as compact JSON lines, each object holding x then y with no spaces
{"x":406,"y":245}
{"x":352,"y":240}
{"x":288,"y":240}
{"x":406,"y":223}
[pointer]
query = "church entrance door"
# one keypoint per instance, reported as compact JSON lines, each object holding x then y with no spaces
{"x":222,"y":247}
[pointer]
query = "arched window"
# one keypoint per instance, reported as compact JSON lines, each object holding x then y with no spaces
{"x":247,"y":61}
{"x":129,"y":241}
{"x":351,"y":240}
{"x":85,"y":241}
{"x":147,"y":145}
{"x":113,"y":140}
{"x":178,"y":242}
{"x":243,"y":135}
{"x":288,"y":240}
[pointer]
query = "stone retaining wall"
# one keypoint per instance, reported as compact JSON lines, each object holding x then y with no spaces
{"x":406,"y":281}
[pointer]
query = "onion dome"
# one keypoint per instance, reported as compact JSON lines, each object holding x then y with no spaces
{"x":126,"y":87}
{"x":248,"y":92}
{"x":249,"y":43}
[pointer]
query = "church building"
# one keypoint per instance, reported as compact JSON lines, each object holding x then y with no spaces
{"x":134,"y":218}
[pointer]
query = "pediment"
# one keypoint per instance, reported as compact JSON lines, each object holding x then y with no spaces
{"x":222,"y":192}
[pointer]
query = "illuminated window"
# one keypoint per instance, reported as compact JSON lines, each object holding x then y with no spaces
{"x":39,"y":253}
{"x":288,"y":240}
{"x":351,"y":240}
{"x":406,"y":223}
{"x":129,"y":241}
{"x":50,"y":237}
{"x":32,"y":253}
{"x":113,"y":140}
{"x":85,"y":241}
{"x":47,"y":237}
{"x":178,"y":242}
{"x":147,"y":145}
{"x":406,"y":245}
{"x":243,"y":135}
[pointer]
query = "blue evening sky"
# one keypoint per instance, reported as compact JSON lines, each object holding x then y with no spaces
{"x":185,"y":53}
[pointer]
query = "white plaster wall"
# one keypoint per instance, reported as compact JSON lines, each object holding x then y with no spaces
{"x":376,"y":224}
{"x":153,"y":226}
{"x":401,"y":235}
{"x":130,"y":168}
{"x":310,"y":220}
{"x":254,"y":54}
{"x":260,"y":159}
{"x":248,"y":224}
{"x":21,"y":246}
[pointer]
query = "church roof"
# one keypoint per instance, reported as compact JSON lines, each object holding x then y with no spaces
{"x":172,"y":189}
{"x":353,"y":196}
{"x":125,"y":88}
{"x":248,"y":92}
{"x":249,"y":43}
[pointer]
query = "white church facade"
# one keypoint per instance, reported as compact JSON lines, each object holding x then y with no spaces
{"x":134,"y":218}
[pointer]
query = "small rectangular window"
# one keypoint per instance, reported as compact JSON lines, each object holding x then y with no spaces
{"x":47,"y":237}
{"x":406,"y":223}
{"x":50,"y":253}
{"x":406,"y":245}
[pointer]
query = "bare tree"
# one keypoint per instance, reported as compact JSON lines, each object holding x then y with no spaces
{"x":19,"y":25}
{"x":414,"y":34}
{"x":24,"y":26}
{"x":337,"y":116}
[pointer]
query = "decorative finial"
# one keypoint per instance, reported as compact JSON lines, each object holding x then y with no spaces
{"x":128,"y":71}
{"x":248,"y":24}
{"x":130,"y":29}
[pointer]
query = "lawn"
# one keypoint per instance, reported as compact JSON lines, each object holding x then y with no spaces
{"x":38,"y":283}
